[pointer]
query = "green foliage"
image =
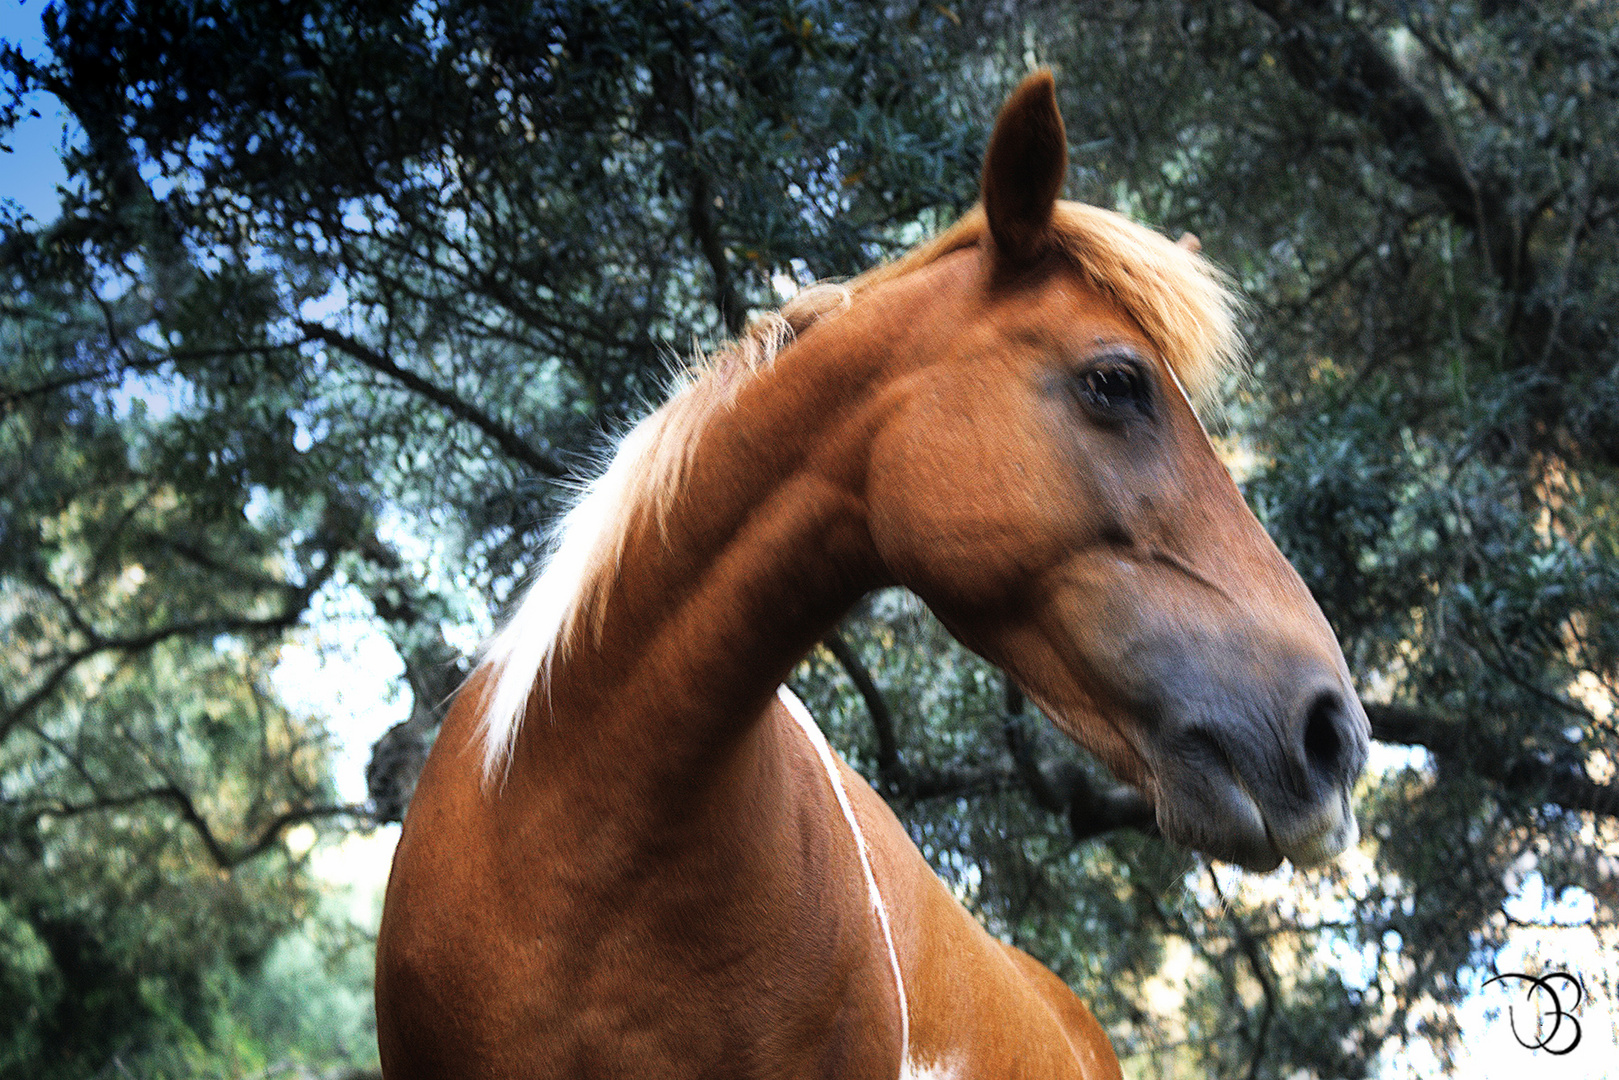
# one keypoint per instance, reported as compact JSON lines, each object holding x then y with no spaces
{"x":338,"y":292}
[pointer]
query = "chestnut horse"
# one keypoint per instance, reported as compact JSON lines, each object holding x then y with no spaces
{"x":631,"y":853}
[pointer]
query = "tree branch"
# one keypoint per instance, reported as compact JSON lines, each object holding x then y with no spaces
{"x":701,"y":217}
{"x":1092,"y":809}
{"x":1344,"y":66}
{"x":1448,"y":61}
{"x":138,"y":643}
{"x":514,"y":445}
{"x":1250,"y":948}
{"x":1565,"y":785}
{"x":676,"y":94}
{"x":433,"y":669}
{"x":890,"y":769}
{"x":224,"y":856}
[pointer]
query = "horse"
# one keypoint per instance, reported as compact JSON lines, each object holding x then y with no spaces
{"x":631,"y":851}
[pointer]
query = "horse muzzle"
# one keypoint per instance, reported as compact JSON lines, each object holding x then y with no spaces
{"x":1256,"y":785}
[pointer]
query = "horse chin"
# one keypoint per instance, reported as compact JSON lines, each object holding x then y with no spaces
{"x":1225,"y":822}
{"x":1322,"y":837}
{"x":1210,"y":812}
{"x":1221,"y":820}
{"x":1201,"y":800}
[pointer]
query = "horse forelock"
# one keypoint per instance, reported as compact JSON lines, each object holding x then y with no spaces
{"x":1184,"y":303}
{"x":1180,"y":300}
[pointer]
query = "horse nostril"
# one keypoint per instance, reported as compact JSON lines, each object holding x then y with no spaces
{"x":1323,"y":735}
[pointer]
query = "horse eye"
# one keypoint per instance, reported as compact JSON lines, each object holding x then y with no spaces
{"x":1114,"y":387}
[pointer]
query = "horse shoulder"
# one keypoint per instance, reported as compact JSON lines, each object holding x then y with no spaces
{"x":1086,"y":1039}
{"x":452,"y":964}
{"x":978,"y":1008}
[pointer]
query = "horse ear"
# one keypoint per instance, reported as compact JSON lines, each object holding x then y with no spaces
{"x":1024,"y":168}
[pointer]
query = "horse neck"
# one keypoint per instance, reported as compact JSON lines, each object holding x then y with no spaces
{"x":761,"y":551}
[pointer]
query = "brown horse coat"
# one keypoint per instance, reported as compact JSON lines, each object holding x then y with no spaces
{"x":629,"y":855}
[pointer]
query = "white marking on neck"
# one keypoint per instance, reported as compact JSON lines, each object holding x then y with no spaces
{"x":806,"y":722}
{"x":933,"y":1070}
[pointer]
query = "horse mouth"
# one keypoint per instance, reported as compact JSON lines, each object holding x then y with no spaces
{"x":1240,"y":800}
{"x":1216,"y":813}
{"x":1322,"y":836}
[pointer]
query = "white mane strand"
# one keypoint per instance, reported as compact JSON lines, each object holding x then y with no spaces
{"x":588,"y":539}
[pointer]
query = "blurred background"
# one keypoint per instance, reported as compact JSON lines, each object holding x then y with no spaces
{"x":310,"y":313}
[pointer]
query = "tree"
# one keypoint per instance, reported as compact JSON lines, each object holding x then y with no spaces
{"x":329,"y":281}
{"x":337,"y":296}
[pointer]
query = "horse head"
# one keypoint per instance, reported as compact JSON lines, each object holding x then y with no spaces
{"x":1041,"y":479}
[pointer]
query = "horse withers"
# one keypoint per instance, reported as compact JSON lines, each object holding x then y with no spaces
{"x":632,"y":853}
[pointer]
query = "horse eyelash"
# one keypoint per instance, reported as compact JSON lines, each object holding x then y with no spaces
{"x":1142,"y":400}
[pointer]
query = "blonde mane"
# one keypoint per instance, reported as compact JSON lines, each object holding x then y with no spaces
{"x":1181,"y":302}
